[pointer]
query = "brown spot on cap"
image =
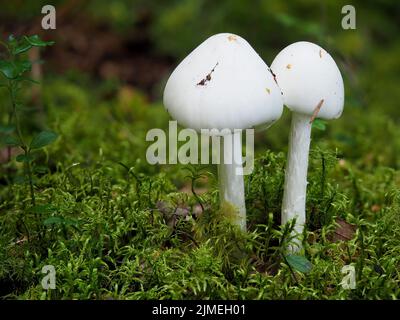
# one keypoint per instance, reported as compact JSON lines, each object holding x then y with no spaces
{"x":207,"y":78}
{"x":268,"y":90}
{"x":320,"y":53}
{"x":288,"y":66}
{"x":232,"y":38}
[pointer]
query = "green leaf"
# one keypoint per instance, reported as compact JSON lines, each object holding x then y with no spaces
{"x":14,"y":69}
{"x":43,"y":139}
{"x":319,"y":124}
{"x":11,"y":141}
{"x":18,"y":46}
{"x":60,"y":220}
{"x":21,"y":47}
{"x":53,"y":220}
{"x":7,"y":69}
{"x":22,"y":66}
{"x":7,"y":129}
{"x":25,"y":157}
{"x":299,"y":263}
{"x":37,"y":42}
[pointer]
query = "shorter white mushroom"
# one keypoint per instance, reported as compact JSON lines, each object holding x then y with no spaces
{"x":312,"y":87}
{"x":224,"y":84}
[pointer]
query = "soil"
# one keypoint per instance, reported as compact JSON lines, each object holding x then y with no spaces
{"x":94,"y":48}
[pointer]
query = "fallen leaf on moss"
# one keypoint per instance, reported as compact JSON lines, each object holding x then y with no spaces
{"x":344,"y":231}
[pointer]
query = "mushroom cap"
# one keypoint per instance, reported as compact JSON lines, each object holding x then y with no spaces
{"x":223,"y":84}
{"x":306,"y":74}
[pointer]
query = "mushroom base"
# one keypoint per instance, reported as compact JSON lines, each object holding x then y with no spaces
{"x":231,"y":182}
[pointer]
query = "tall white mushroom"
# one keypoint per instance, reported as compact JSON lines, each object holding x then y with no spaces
{"x":312,"y":87}
{"x":224,"y":84}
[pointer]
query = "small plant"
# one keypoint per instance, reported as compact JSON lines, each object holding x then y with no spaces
{"x":14,"y":68}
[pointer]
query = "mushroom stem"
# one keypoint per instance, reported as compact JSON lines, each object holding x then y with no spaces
{"x":231,"y":183}
{"x":294,"y":196}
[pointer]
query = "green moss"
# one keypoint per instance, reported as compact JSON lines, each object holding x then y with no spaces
{"x":114,"y":241}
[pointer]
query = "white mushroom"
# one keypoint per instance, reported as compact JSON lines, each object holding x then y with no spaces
{"x":312,"y":87}
{"x":224,"y":84}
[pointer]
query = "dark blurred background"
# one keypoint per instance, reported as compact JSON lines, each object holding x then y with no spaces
{"x":107,"y":46}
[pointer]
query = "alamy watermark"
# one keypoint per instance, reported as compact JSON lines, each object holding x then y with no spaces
{"x":189,"y":153}
{"x":349,"y":20}
{"x":49,"y":280}
{"x":349,"y":280}
{"x":49,"y":20}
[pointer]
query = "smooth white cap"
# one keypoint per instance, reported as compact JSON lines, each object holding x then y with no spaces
{"x":239,"y":93}
{"x":306,"y":74}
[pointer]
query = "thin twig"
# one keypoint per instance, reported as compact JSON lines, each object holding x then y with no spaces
{"x":316,"y":110}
